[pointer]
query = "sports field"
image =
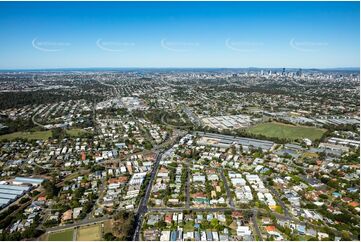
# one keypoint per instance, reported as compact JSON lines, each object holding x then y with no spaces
{"x":108,"y":226}
{"x":66,"y":235}
{"x":27,"y":135}
{"x":89,"y":233}
{"x":287,"y":131}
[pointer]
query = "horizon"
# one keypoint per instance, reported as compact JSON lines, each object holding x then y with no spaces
{"x":186,"y":68}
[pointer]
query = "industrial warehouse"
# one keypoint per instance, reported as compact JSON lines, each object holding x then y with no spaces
{"x":226,"y":141}
{"x":18,"y":188}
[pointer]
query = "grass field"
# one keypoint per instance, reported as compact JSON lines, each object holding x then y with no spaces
{"x":310,"y":155}
{"x":108,"y":226}
{"x":76,"y":132}
{"x":27,"y":135}
{"x":89,"y":233}
{"x":66,"y":235}
{"x":286,"y":131}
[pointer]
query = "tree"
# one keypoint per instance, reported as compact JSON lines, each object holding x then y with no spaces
{"x":148,"y":145}
{"x":50,"y":223}
{"x":214,"y":223}
{"x":24,"y":200}
{"x":125,"y":225}
{"x":39,"y":170}
{"x":58,"y":133}
{"x":346,"y":235}
{"x":109,"y":237}
{"x":50,"y":188}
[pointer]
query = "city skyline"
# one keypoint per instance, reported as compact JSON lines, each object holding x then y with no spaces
{"x":45,"y":35}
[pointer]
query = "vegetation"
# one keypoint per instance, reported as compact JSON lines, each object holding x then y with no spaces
{"x":286,"y":131}
{"x":65,"y":235}
{"x":20,"y":99}
{"x":16,"y":125}
{"x":147,"y":145}
{"x":44,"y":135}
{"x":92,"y":232}
{"x":76,"y":132}
{"x":109,"y":237}
{"x":50,"y":188}
{"x":124,"y":225}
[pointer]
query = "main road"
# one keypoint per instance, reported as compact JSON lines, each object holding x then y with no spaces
{"x":229,"y":195}
{"x":142,"y":209}
{"x":255,"y":224}
{"x":143,"y":203}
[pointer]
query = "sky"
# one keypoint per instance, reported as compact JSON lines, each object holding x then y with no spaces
{"x":37,"y":35}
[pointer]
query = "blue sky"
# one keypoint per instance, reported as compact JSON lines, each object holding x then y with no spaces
{"x":179,"y":34}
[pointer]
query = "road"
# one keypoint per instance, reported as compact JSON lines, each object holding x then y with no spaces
{"x":97,"y":202}
{"x":277,"y":196}
{"x":255,"y":224}
{"x":255,"y":211}
{"x":188,"y":187}
{"x":77,"y":224}
{"x":174,"y":126}
{"x":115,"y":90}
{"x":170,"y":140}
{"x":143,"y":203}
{"x":207,"y":209}
{"x":280,"y":202}
{"x":192,"y":116}
{"x":229,"y":195}
{"x":36,"y":123}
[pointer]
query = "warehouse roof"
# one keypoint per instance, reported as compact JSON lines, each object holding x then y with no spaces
{"x":8,"y":191}
{"x":29,"y":180}
{"x":8,"y":196}
{"x":4,"y":201}
{"x":12,"y":187}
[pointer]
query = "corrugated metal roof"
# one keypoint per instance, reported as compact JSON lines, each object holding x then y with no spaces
{"x":12,"y":187}
{"x":29,"y":180}
{"x":4,"y":201}
{"x":8,"y":196}
{"x":8,"y":191}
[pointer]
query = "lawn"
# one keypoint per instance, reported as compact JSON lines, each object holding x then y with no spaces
{"x":89,"y":233}
{"x":310,"y":155}
{"x":286,"y":131}
{"x":65,"y":235}
{"x":108,"y":226}
{"x":27,"y":135}
{"x":76,"y":132}
{"x":278,"y":209}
